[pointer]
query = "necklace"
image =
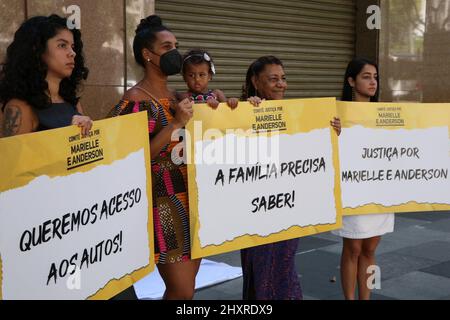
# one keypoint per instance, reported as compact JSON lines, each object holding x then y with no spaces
{"x":53,"y":99}
{"x":171,"y":101}
{"x":168,"y":96}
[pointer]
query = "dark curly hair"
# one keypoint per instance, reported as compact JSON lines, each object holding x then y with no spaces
{"x":146,"y":35}
{"x":248,"y":90}
{"x":23,"y":73}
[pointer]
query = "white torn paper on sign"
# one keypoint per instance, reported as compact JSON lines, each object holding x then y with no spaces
{"x":106,"y":240}
{"x":394,"y":167}
{"x":298,"y":190}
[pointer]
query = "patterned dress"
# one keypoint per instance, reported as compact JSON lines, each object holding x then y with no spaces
{"x":269,"y":272}
{"x":202,"y":98}
{"x":169,"y":185}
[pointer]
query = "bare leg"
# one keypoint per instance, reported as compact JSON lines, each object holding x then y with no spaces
{"x":179,"y":279}
{"x":351,"y":250}
{"x":366,"y":259}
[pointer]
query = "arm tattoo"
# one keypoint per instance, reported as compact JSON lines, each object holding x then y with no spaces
{"x":12,"y":121}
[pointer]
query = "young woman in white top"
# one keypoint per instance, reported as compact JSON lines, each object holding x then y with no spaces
{"x":362,"y":233}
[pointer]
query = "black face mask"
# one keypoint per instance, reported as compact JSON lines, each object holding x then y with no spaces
{"x":170,"y":62}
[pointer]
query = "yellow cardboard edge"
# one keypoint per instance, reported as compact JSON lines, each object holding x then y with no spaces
{"x":136,"y":121}
{"x":248,"y":240}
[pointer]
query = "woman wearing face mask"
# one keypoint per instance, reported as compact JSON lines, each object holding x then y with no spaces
{"x":155,"y":49}
{"x":361,"y":234}
{"x":40,"y":78}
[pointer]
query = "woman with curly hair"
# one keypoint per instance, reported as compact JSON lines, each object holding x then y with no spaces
{"x":40,"y":78}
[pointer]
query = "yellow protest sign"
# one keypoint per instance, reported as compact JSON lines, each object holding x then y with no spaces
{"x":76,"y":213}
{"x":394,"y":157}
{"x":261,"y":175}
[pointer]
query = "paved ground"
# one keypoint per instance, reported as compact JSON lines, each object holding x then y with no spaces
{"x":414,"y":262}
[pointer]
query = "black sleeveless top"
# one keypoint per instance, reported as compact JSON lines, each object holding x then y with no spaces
{"x":57,"y":115}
